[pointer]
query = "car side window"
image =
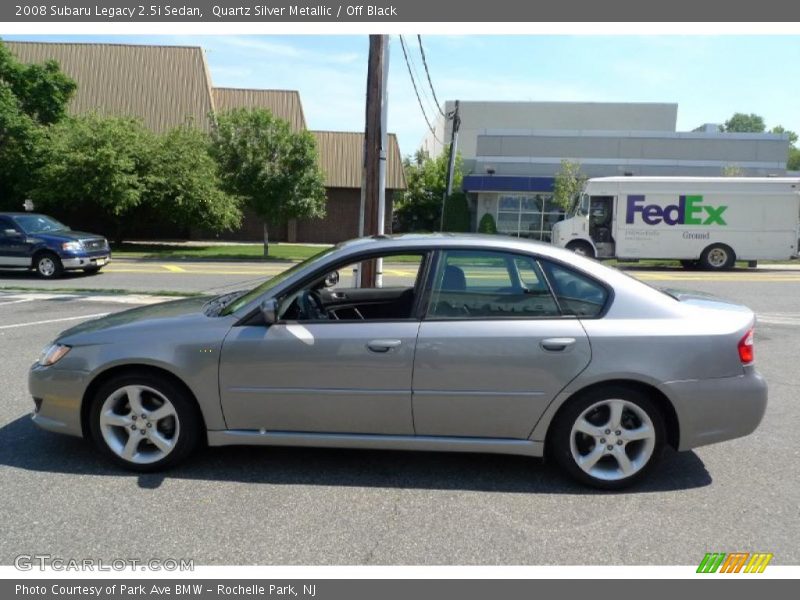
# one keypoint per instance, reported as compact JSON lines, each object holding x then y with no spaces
{"x":484,"y":284}
{"x":577,"y":294}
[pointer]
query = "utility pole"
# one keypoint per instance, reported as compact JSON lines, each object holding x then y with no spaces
{"x":452,"y":163}
{"x":374,"y":179}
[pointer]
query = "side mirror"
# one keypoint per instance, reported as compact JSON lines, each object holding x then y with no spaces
{"x":269,"y":310}
{"x":331,"y":279}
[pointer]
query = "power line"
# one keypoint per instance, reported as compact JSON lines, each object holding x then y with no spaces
{"x":416,"y":91}
{"x":428,"y":73}
{"x":428,"y":101}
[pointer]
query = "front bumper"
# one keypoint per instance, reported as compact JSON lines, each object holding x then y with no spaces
{"x":85,"y":262}
{"x":58,"y":394}
{"x":715,"y":410}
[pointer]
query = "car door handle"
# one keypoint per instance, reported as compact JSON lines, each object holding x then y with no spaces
{"x":557,"y":344}
{"x":383,"y":345}
{"x":338,"y":296}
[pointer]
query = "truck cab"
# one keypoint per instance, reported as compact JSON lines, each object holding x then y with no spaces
{"x":589,"y":228}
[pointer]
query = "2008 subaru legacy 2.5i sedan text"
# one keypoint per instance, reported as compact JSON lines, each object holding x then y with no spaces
{"x":473,"y":344}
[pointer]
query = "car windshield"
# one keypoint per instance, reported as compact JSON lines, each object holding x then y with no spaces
{"x":32,"y":224}
{"x":271,"y":283}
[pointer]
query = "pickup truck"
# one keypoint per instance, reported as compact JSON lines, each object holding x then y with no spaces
{"x":36,"y":241}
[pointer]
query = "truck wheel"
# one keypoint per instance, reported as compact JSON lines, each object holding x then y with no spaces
{"x":581,"y":249}
{"x":717,"y":257}
{"x":48,"y":265}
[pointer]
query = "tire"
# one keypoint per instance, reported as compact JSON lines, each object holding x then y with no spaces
{"x":160,"y":442}
{"x":48,"y":265}
{"x":717,"y":257}
{"x":581,"y":249}
{"x":593,"y":411}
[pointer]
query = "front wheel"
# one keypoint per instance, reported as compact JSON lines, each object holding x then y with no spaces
{"x":609,"y":438}
{"x":48,"y":265}
{"x":581,"y":249}
{"x":144,"y":422}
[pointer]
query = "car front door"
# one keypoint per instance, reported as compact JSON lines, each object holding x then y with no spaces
{"x":347,"y":374}
{"x":13,"y":248}
{"x":494,"y":348}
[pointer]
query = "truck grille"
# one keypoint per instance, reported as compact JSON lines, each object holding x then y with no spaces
{"x":95,"y":244}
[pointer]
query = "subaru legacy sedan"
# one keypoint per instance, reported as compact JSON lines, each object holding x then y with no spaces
{"x":471,"y":344}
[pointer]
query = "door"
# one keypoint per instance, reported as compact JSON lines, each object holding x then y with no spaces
{"x":13,"y":246}
{"x":346,"y":368}
{"x":494,"y":348}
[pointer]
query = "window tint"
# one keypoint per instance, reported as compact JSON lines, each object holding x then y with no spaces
{"x":577,"y":294}
{"x":486,"y":284}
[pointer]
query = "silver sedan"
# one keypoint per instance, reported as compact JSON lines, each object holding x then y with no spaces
{"x":468,"y":344}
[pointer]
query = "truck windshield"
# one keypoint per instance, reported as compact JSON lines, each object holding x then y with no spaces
{"x":580,"y":206}
{"x":33,"y":224}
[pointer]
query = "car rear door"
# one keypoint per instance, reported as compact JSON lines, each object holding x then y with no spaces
{"x":494,"y":348}
{"x":13,"y":247}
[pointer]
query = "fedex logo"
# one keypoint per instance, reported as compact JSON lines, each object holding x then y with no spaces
{"x":689,"y":210}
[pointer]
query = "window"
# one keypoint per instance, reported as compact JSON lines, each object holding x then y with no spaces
{"x":527,"y":215}
{"x":577,"y":294}
{"x":481,"y":284}
{"x":336,"y":294}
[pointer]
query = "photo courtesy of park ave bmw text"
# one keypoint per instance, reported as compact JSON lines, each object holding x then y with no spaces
{"x":395,"y":300}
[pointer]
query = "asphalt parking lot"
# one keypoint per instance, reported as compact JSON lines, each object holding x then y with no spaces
{"x":307,"y":506}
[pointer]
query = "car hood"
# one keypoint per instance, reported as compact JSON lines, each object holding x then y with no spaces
{"x":67,"y":235}
{"x":154,"y":316}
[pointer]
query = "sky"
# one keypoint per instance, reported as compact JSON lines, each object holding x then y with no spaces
{"x":709,"y":77}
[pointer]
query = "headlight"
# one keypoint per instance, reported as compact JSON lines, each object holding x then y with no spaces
{"x":52,"y":354}
{"x":71,"y":246}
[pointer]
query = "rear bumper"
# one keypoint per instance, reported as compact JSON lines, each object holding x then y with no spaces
{"x":715,"y":410}
{"x":57,"y":394}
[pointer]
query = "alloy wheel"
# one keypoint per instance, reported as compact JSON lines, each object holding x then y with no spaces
{"x":139,"y":424}
{"x":612,"y":440}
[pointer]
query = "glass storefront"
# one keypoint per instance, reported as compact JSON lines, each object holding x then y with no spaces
{"x":528,"y":215}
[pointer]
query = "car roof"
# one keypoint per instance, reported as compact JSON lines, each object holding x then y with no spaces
{"x":21,"y":214}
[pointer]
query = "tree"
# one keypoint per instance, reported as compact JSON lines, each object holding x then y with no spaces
{"x":419,"y":206}
{"x":456,"y":213}
{"x":781,"y":129}
{"x":487,"y":224}
{"x":743,"y":123}
{"x":98,"y":166}
{"x":183,"y":185}
{"x":793,"y":164}
{"x":31,"y":98}
{"x":273,"y":169}
{"x":568,"y":184}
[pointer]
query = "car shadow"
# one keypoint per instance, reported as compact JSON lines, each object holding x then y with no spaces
{"x":24,"y":446}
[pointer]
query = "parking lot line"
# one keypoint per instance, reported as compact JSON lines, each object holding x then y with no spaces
{"x":32,"y":323}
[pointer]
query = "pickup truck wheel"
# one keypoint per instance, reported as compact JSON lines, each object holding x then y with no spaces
{"x":717,"y":257}
{"x":48,"y":265}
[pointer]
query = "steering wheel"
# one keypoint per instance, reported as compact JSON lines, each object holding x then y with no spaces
{"x":311,"y":306}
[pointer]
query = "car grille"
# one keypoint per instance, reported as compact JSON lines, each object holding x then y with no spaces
{"x":93,"y":245}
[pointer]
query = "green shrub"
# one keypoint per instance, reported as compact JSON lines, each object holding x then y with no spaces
{"x":487,"y":224}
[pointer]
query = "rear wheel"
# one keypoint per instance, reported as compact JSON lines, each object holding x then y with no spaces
{"x":48,"y":265}
{"x":718,"y":257}
{"x":609,"y":438}
{"x":581,"y":249}
{"x":144,"y":422}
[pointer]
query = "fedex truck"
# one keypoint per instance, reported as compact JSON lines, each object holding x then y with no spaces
{"x":709,"y":222}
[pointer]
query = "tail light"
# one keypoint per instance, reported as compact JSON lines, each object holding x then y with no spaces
{"x":746,"y":354}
